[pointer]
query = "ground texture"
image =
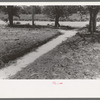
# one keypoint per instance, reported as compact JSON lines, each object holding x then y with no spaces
{"x":15,"y":42}
{"x":76,"y":58}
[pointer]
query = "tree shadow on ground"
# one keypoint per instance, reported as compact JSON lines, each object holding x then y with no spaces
{"x":41,"y":26}
{"x":87,"y":36}
{"x":67,"y":27}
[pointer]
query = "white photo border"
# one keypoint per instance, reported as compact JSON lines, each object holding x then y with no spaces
{"x":45,"y":88}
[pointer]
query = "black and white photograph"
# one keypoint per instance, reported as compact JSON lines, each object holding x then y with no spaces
{"x":49,"y":41}
{"x":49,"y":49}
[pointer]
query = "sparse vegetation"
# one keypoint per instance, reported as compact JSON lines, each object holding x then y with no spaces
{"x":15,"y":42}
{"x":75,"y":58}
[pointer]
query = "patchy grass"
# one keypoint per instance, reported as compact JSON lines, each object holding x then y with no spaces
{"x":43,"y":17}
{"x":15,"y":42}
{"x":76,"y":58}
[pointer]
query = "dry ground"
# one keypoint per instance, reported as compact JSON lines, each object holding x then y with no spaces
{"x":76,"y":58}
{"x":15,"y":42}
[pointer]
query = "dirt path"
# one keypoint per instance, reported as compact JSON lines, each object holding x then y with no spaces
{"x":2,"y":22}
{"x":32,"y":56}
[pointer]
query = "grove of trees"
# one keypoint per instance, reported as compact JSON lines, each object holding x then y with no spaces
{"x":55,"y":12}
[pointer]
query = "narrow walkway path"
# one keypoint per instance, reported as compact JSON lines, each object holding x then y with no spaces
{"x":29,"y":58}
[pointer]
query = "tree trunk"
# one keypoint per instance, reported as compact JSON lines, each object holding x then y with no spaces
{"x":57,"y":21}
{"x":91,"y":25}
{"x":91,"y":29}
{"x":33,"y":13}
{"x":57,"y":17}
{"x":11,"y":19}
{"x":92,"y":22}
{"x":10,"y":15}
